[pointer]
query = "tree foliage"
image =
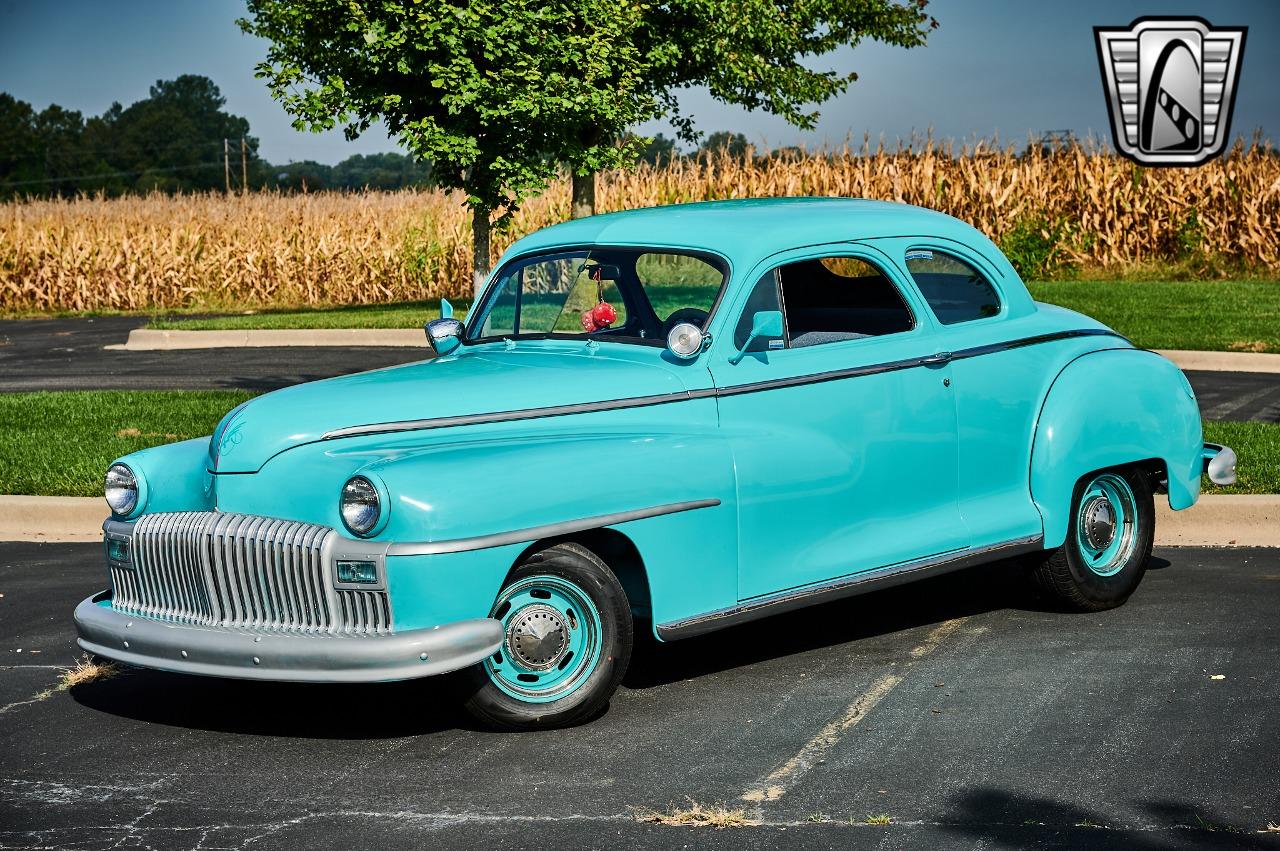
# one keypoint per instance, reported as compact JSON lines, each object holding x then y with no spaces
{"x":758,"y":54}
{"x":494,"y":93}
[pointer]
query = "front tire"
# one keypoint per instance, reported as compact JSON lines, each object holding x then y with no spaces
{"x":568,"y":637}
{"x":1108,"y":542}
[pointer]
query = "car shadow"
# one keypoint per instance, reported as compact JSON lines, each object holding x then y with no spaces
{"x":291,"y":710}
{"x":984,"y":588}
{"x":416,"y":707}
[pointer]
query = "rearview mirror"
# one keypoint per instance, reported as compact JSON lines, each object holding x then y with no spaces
{"x":765,"y":323}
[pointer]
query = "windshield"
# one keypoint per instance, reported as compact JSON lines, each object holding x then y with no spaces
{"x":632,"y":295}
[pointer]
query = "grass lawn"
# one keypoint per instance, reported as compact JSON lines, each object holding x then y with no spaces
{"x":1258,"y":448}
{"x":61,"y":443}
{"x":409,"y":314}
{"x":1204,"y":315}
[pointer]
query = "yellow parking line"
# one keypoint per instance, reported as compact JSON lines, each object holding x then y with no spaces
{"x":788,"y":774}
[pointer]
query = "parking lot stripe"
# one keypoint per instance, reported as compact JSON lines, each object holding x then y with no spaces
{"x":788,"y":774}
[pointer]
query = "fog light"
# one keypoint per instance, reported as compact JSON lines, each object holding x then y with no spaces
{"x":117,"y":550}
{"x":358,"y":572}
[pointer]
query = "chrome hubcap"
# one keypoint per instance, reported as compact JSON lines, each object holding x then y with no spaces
{"x":1099,"y":522}
{"x":1107,"y":524}
{"x":537,"y":637}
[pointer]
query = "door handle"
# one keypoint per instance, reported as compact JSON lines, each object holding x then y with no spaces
{"x":940,"y":357}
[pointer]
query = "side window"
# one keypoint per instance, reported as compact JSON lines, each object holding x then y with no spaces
{"x":831,"y":299}
{"x":954,"y":289}
{"x":763,"y":297}
{"x":679,"y":282}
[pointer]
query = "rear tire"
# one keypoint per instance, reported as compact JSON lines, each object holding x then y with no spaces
{"x":1108,"y":542}
{"x":568,"y":637}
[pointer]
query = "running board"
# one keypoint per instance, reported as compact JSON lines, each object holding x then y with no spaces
{"x":848,"y":586}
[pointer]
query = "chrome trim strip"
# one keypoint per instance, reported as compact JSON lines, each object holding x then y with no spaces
{"x":521,"y":414}
{"x":848,"y":586}
{"x":550,"y":530}
{"x":685,"y":396}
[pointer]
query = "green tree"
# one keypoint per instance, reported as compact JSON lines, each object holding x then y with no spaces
{"x":722,"y":142}
{"x":658,"y":150}
{"x":170,"y":141}
{"x":759,"y":54}
{"x":493,"y":93}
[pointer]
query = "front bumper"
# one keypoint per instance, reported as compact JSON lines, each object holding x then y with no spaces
{"x":273,"y":655}
{"x":1219,"y":463}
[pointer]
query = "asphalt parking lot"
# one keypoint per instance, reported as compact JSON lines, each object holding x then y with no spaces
{"x":960,"y":708}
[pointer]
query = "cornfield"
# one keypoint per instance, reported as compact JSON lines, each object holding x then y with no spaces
{"x":1071,"y":209}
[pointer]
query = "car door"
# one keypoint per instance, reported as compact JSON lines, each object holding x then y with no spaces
{"x":843,"y":430}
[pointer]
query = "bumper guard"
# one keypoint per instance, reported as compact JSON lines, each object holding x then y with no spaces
{"x":272,"y":655}
{"x":1219,"y":464}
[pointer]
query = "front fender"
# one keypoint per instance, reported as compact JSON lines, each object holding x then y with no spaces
{"x":172,"y":477}
{"x":1109,"y":408}
{"x":484,"y":488}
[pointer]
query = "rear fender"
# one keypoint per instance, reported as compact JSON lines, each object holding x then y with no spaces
{"x":1107,"y":409}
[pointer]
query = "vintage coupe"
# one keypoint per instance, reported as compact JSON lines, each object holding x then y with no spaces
{"x":687,"y":416}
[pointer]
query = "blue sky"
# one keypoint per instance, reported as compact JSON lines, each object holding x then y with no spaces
{"x":994,"y":68}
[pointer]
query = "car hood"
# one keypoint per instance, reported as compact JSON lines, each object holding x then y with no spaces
{"x":481,"y":380}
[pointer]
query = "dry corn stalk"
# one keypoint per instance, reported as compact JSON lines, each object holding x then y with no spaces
{"x":270,"y":249}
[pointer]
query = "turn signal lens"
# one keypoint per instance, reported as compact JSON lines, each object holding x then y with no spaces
{"x":359,"y":572}
{"x":117,"y":550}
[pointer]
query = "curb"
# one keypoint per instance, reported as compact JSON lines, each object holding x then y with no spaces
{"x":1224,"y":520}
{"x":1223,"y":361}
{"x":150,"y":339}
{"x":52,"y":519}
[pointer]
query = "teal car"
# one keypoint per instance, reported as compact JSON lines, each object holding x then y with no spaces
{"x":676,"y":419}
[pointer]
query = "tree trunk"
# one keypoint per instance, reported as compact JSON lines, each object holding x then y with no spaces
{"x":480,"y":249}
{"x":584,"y":195}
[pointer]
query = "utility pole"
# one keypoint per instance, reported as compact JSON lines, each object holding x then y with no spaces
{"x":244,"y":166}
{"x":226,"y":163}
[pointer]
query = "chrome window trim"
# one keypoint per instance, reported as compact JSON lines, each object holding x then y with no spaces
{"x":485,"y":302}
{"x":846,"y":586}
{"x":732,"y":390}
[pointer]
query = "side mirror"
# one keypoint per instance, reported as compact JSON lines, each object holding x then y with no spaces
{"x":765,"y":323}
{"x":444,"y":335}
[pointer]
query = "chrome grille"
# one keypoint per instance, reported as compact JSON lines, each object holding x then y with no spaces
{"x":243,"y":571}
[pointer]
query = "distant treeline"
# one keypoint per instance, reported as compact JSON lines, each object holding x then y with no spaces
{"x":172,"y":141}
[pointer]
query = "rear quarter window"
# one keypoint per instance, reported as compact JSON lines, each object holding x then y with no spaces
{"x":954,"y":289}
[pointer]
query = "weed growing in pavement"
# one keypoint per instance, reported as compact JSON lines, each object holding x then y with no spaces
{"x":695,"y":814}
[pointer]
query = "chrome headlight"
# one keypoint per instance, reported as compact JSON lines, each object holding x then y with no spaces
{"x":121,"y":490}
{"x":360,"y":505}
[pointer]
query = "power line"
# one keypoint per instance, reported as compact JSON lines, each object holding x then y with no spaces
{"x":110,"y":174}
{"x":136,"y":150}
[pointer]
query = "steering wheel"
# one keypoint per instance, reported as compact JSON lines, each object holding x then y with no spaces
{"x":691,"y":315}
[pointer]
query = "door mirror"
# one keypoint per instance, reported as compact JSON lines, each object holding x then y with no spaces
{"x":444,"y":335}
{"x":764,"y":324}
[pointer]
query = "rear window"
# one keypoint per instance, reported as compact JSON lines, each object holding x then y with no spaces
{"x":954,"y":289}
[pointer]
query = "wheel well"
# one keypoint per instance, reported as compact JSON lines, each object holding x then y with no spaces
{"x":1156,"y":473}
{"x":618,"y":552}
{"x":1155,"y":469}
